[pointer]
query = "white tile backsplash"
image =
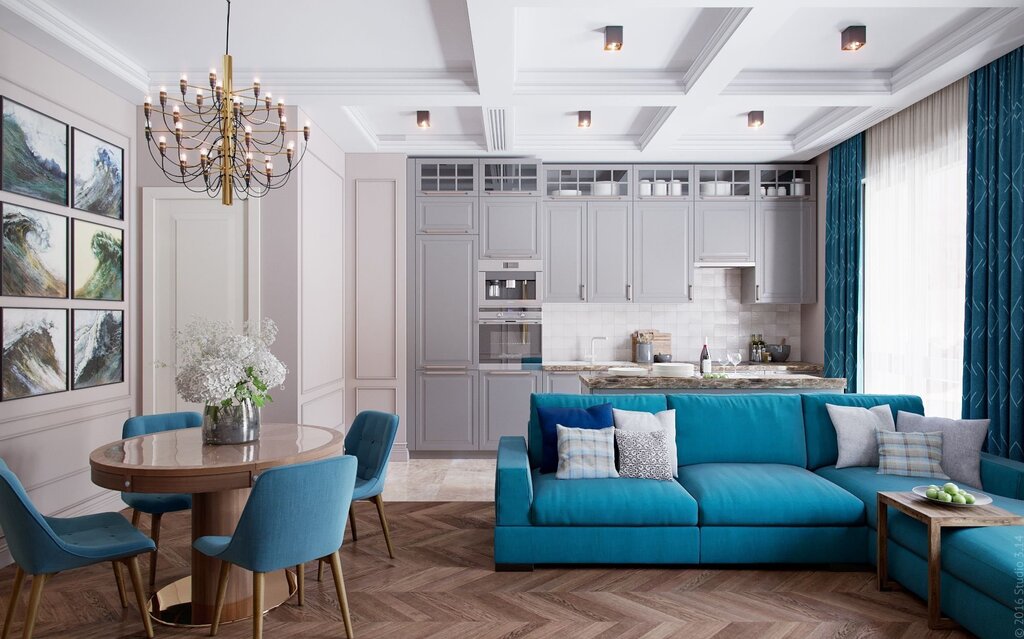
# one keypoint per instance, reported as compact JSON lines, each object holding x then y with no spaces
{"x":715,"y":312}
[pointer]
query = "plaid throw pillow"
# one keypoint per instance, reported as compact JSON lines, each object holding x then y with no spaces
{"x":643,"y":455}
{"x":585,"y":453}
{"x":910,"y":454}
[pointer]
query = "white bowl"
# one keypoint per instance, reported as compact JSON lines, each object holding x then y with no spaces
{"x":723,"y":188}
{"x":605,"y":188}
{"x":567,"y":192}
{"x":627,"y":371}
{"x":980,"y":499}
{"x":674,"y":369}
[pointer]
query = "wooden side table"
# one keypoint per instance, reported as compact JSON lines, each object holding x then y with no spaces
{"x":935,"y":517}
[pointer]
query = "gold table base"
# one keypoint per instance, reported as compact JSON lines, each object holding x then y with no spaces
{"x":172,"y":604}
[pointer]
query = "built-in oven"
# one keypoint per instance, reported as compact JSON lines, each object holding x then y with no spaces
{"x":503,"y":283}
{"x":510,"y":337}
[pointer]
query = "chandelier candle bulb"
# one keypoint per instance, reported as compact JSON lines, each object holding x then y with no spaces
{"x":256,"y":86}
{"x":248,"y":137}
{"x":280,"y":107}
{"x":213,"y":78}
{"x":163,"y":145}
{"x":284,"y":123}
{"x":176,"y":113}
{"x":305,"y":131}
{"x":267,"y":100}
{"x":199,"y":98}
{"x":183,"y":84}
{"x":163,"y":96}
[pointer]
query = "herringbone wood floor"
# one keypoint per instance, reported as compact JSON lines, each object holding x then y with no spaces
{"x":442,"y":585}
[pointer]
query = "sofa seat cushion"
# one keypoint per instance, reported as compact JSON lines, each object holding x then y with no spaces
{"x":864,"y":482}
{"x":734,"y":494}
{"x":985,"y":558}
{"x":610,"y":502}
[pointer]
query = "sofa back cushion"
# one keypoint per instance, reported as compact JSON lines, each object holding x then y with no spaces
{"x":764,"y":429}
{"x":822,"y":449}
{"x":648,"y":403}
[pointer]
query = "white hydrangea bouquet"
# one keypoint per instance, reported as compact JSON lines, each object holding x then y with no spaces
{"x":224,"y":369}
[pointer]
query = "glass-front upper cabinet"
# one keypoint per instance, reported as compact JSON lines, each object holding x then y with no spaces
{"x":786,"y":182}
{"x":725,"y":182}
{"x":446,"y":176}
{"x":510,"y":177}
{"x":663,"y":182}
{"x":587,"y":181}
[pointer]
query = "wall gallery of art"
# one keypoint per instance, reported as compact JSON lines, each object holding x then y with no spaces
{"x":73,"y":252}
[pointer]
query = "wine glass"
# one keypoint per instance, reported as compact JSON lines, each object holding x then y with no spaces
{"x":734,"y":357}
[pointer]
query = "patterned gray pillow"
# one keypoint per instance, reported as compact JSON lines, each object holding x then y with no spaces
{"x":643,"y":455}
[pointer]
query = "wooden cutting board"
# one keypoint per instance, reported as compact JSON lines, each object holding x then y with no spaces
{"x":662,"y":342}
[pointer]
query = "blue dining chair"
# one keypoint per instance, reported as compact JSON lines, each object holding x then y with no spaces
{"x":43,"y":546}
{"x":295,"y":514}
{"x":157,"y":505}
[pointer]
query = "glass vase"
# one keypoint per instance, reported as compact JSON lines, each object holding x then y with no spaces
{"x":235,"y":424}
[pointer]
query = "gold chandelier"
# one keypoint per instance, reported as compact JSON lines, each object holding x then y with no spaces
{"x":225,"y":146}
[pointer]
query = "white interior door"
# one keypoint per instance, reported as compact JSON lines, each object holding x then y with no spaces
{"x":200,"y":258}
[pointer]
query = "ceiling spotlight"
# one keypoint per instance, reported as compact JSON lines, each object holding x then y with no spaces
{"x":423,"y":119}
{"x":583,"y":119}
{"x":855,"y":37}
{"x":613,"y":38}
{"x":755,"y":119}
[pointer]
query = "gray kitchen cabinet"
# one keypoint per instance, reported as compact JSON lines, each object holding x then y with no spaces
{"x":446,"y":176}
{"x":505,"y":404}
{"x":565,"y":251}
{"x":662,"y":264}
{"x":785,"y":271}
{"x":563,"y":382}
{"x":786,"y":182}
{"x":445,"y":300}
{"x":446,"y":215}
{"x":723,"y":233}
{"x":609,"y":252}
{"x":510,"y":227}
{"x":446,"y":410}
{"x":510,"y":175}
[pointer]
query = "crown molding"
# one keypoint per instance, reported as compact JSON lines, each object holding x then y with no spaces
{"x":654,"y":126}
{"x":431,"y":143}
{"x":362,"y":124}
{"x":755,"y":142}
{"x":597,"y":82}
{"x":826,"y":125}
{"x":944,"y":48}
{"x":583,"y":141}
{"x":810,"y":83}
{"x":843,"y":130}
{"x":730,"y":22}
{"x":55,"y":24}
{"x":345,"y":81}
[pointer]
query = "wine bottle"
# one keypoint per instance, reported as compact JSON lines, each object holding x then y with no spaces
{"x":705,"y":359}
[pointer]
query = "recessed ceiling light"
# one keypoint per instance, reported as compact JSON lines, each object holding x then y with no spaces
{"x":423,"y":119}
{"x":755,"y":119}
{"x":613,"y":38}
{"x":583,"y":119}
{"x":855,"y":37}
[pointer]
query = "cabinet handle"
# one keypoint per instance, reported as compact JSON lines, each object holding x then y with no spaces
{"x":440,"y":367}
{"x":629,"y":292}
{"x":583,"y":294}
{"x":757,"y":292}
{"x":508,"y":372}
{"x":689,"y":291}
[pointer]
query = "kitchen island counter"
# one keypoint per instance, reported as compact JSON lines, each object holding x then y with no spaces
{"x":606,"y":384}
{"x":808,"y":368}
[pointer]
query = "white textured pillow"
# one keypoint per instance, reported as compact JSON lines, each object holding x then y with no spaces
{"x":586,"y":453}
{"x":855,"y":432}
{"x":962,"y":440}
{"x":643,"y":455}
{"x":644,"y":422}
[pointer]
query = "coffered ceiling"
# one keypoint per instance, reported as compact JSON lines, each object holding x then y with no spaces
{"x":507,"y":77}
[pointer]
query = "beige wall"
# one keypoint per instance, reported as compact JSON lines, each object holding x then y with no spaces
{"x":47,"y":440}
{"x":376,"y":300}
{"x":812,"y":316}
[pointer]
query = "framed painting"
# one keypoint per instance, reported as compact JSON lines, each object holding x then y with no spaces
{"x":98,"y":169}
{"x":33,"y":153}
{"x":97,"y":352}
{"x":97,"y":258}
{"x":34,"y":253}
{"x":35,"y":352}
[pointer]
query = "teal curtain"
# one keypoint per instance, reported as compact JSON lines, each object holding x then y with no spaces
{"x":844,"y":216}
{"x":994,"y":308}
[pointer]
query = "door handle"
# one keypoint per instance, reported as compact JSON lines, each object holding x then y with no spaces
{"x":757,"y":292}
{"x":583,"y":294}
{"x":629,"y":292}
{"x":689,"y":292}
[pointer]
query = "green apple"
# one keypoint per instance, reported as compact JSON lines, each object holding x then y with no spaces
{"x":935,"y":488}
{"x":951,"y":488}
{"x":959,"y":499}
{"x":945,"y":497}
{"x":932,"y":492}
{"x":969,"y":498}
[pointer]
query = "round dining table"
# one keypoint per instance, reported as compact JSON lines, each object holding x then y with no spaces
{"x":219,"y":478}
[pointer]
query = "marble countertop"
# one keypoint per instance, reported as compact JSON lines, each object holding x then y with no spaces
{"x":605,"y":381}
{"x":783,"y":367}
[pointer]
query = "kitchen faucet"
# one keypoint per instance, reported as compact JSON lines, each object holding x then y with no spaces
{"x":593,"y":344}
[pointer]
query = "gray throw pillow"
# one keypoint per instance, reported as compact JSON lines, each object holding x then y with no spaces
{"x":638,"y":420}
{"x":643,"y":455}
{"x":855,"y":432}
{"x":962,"y":440}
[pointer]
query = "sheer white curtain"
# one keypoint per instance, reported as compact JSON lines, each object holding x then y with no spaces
{"x":915,"y":217}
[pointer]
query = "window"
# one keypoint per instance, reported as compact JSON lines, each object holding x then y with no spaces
{"x":915,"y":218}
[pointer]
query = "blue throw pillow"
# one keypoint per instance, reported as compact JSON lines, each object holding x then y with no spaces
{"x":599,"y":416}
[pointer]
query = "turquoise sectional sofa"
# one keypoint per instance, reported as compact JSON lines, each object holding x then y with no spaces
{"x":757,"y":484}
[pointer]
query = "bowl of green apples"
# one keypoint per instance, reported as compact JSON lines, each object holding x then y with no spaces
{"x":950,"y":494}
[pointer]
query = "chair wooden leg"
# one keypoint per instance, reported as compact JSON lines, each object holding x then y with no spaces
{"x":320,"y":570}
{"x":379,"y":500}
{"x":140,"y":594}
{"x":19,"y":578}
{"x":222,"y":591}
{"x":352,"y":520}
{"x":119,"y":578}
{"x":339,"y":585}
{"x":257,"y":605}
{"x":301,"y":579}
{"x":154,"y":532}
{"x":38,"y":581}
{"x":136,"y":517}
